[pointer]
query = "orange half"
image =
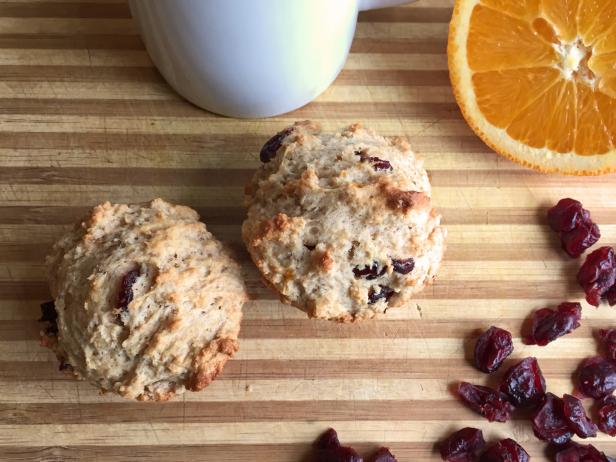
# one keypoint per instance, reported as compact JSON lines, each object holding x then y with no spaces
{"x":536,"y":80}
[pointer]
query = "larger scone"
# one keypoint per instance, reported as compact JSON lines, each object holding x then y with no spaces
{"x":148,"y":303}
{"x":342,"y":225}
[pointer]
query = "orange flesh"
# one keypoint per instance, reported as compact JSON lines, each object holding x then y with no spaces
{"x":545,"y":71}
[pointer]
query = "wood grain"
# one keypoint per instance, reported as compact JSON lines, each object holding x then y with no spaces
{"x":85,"y":117}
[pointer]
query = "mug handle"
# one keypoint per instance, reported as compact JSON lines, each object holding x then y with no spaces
{"x":373,"y":4}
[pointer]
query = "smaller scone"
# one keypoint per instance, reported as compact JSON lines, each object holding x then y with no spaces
{"x":148,"y":304}
{"x":342,"y":225}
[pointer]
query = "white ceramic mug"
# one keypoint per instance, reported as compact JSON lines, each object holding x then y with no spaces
{"x":250,"y":58}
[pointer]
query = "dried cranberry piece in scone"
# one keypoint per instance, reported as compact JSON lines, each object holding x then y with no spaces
{"x":598,"y":274}
{"x":403,"y":266}
{"x":549,"y":324}
{"x":549,"y":422}
{"x":380,"y":164}
{"x":506,"y":450}
{"x":271,"y":147}
{"x":492,"y":348}
{"x":49,"y":315}
{"x":48,"y":312}
{"x":524,"y":383}
{"x":465,"y":445}
{"x":596,"y":377}
{"x":376,"y":162}
{"x":371,"y":272}
{"x":126,"y":294}
{"x":491,"y":404}
{"x":384,"y":292}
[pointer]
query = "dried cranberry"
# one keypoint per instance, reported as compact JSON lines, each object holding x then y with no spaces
{"x":566,"y":215}
{"x":380,"y":164}
{"x":377,"y":163}
{"x":369,"y":272}
{"x":339,"y":454}
{"x":549,"y":423}
{"x":490,"y":403}
{"x":126,"y":289}
{"x":549,"y":324}
{"x":607,"y":415}
{"x":575,"y":414}
{"x":385,"y":293}
{"x":492,"y":348}
{"x":610,"y":295}
{"x":49,"y":315}
{"x":48,"y":312}
{"x":328,"y":439}
{"x":463,"y":446}
{"x":524,"y":383}
{"x":328,"y":449}
{"x":505,"y":450}
{"x":65,"y":367}
{"x":403,"y":266}
{"x":597,"y":377}
{"x":608,"y":338}
{"x":573,"y":223}
{"x":383,"y":455}
{"x":575,"y":452}
{"x":271,"y":147}
{"x":51,"y":330}
{"x":598,"y":274}
{"x":576,"y":241}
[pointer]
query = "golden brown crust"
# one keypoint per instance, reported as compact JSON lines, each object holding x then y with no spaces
{"x":403,"y":201}
{"x":210,"y":362}
{"x":400,"y":142}
{"x":271,"y":229}
{"x":352,"y":129}
{"x":324,"y":261}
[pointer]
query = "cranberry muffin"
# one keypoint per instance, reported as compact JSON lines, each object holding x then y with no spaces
{"x":148,"y":304}
{"x":342,"y":225}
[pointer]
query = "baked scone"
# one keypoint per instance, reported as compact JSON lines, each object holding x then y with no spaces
{"x":148,"y":303}
{"x":342,"y":225}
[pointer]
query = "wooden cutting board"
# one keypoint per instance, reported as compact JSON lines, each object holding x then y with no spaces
{"x":84,"y":118}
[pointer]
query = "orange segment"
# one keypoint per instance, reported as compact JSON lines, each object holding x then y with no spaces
{"x":607,"y":108}
{"x":524,"y":9}
{"x":536,"y":80}
{"x":561,"y":124}
{"x":608,"y":86}
{"x":514,"y":90}
{"x":495,"y":41}
{"x":563,"y":15}
{"x":607,"y":42}
{"x":604,"y":65}
{"x":591,"y":136}
{"x":524,"y":126}
{"x":595,"y":17}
